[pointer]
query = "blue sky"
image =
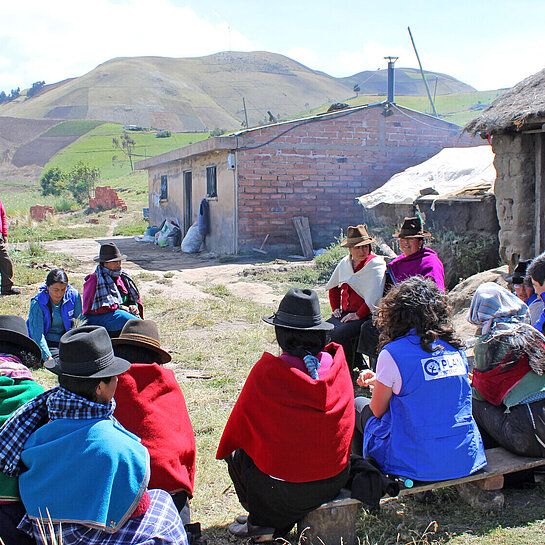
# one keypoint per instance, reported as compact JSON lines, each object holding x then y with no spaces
{"x":487,"y":44}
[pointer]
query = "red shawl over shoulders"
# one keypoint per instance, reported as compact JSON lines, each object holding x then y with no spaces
{"x":149,"y":403}
{"x":294,"y":428}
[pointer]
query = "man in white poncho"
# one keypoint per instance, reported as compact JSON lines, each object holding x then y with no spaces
{"x":355,"y":287}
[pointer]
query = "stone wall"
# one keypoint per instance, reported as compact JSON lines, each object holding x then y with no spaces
{"x":515,"y":193}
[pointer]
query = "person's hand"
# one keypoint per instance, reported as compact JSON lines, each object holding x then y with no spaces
{"x":337,"y":313}
{"x":351,"y":316}
{"x":133,"y":309}
{"x":367,"y":379}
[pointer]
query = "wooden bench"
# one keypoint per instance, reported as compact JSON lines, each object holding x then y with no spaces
{"x":336,"y":520}
{"x":500,"y":463}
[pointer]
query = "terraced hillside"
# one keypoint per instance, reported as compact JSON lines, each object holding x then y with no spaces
{"x":192,"y":94}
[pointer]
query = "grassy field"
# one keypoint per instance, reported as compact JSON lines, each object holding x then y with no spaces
{"x":216,"y":340}
{"x":456,"y":108}
{"x":95,"y":147}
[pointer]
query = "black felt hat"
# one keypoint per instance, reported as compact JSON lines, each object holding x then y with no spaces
{"x":299,"y":309}
{"x":109,"y":252}
{"x":13,"y":329}
{"x":519,"y":274}
{"x":87,"y":352}
{"x":143,"y":333}
{"x":412,"y":228}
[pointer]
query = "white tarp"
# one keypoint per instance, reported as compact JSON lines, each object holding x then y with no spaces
{"x":451,"y":170}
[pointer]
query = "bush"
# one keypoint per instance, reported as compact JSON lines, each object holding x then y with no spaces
{"x":53,"y":181}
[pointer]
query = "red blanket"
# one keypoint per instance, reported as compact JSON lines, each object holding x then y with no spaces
{"x":495,"y":384}
{"x":294,"y":428}
{"x":150,"y":404}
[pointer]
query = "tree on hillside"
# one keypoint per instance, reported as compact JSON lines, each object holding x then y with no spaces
{"x":36,"y":86}
{"x":82,"y":180}
{"x":3,"y":97}
{"x":53,"y":181}
{"x":357,"y":88}
{"x":125,"y":144}
{"x":14,"y":94}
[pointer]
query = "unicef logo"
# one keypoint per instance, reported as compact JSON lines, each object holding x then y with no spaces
{"x":432,"y":367}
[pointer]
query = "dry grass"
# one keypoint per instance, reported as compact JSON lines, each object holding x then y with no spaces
{"x":219,"y":338}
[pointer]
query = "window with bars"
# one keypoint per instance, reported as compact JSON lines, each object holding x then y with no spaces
{"x":211,"y":182}
{"x":164,"y":187}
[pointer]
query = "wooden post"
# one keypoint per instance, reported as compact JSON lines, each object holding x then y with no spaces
{"x":305,"y":238}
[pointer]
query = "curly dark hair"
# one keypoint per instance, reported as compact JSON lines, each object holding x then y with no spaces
{"x":417,"y":303}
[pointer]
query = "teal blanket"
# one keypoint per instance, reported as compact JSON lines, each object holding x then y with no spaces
{"x":92,"y":472}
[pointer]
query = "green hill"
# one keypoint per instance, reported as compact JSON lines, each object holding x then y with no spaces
{"x":408,"y":82}
{"x":202,"y":93}
{"x":188,"y":94}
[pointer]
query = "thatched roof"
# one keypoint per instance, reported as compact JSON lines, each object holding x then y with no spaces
{"x":522,"y":105}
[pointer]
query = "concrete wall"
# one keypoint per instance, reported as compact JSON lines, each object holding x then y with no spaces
{"x":221,"y":237}
{"x":515,"y":193}
{"x":317,"y":170}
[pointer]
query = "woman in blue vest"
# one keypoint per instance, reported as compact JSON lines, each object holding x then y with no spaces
{"x":419,"y":422}
{"x":52,"y":311}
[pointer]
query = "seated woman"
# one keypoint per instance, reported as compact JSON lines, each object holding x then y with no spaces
{"x":418,"y":423}
{"x":150,"y":404}
{"x":508,"y":379}
{"x":287,"y":441}
{"x":524,"y":290}
{"x":110,"y":296}
{"x":18,"y":354}
{"x":52,"y":311}
{"x":76,"y":464}
{"x":416,"y":259}
{"x":355,"y":287}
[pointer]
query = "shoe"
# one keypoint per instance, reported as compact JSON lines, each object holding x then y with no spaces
{"x":12,"y":291}
{"x":257,"y":534}
{"x":241,"y":519}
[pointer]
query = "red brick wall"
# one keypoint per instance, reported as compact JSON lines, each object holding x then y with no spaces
{"x":318,"y":169}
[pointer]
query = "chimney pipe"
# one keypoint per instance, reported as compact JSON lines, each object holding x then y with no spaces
{"x":391,"y":62}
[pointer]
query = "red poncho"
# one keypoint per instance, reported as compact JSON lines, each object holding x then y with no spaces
{"x":150,"y":404}
{"x":294,"y":428}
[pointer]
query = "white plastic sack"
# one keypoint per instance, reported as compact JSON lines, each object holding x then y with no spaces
{"x":162,"y":236}
{"x":192,"y":241}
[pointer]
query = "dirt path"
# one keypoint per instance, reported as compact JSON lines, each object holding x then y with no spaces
{"x":186,"y":274}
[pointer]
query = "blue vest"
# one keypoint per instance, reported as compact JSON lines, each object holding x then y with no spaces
{"x":428,"y":433}
{"x":67,"y":307}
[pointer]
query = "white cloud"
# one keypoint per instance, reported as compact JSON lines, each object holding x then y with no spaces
{"x":66,"y":38}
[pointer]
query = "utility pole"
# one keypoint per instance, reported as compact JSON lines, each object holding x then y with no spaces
{"x":422,"y":72}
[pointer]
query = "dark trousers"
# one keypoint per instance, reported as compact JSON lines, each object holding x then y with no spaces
{"x":346,"y":334}
{"x":10,"y":516}
{"x":6,"y":267}
{"x":522,"y":430}
{"x":368,"y":341}
{"x":278,"y":504}
{"x":363,"y":414}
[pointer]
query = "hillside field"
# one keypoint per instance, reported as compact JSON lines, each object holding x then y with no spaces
{"x":456,"y":108}
{"x":96,"y":148}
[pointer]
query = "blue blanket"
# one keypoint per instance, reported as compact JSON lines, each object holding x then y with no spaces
{"x":93,"y":472}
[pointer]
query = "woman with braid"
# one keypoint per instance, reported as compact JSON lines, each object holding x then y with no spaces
{"x":287,"y":441}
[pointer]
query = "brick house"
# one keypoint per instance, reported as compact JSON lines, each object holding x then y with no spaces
{"x":257,"y":180}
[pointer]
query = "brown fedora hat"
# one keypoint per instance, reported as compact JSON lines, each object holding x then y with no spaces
{"x":356,"y":236}
{"x":142,"y":333}
{"x":412,"y":228}
{"x":109,"y":252}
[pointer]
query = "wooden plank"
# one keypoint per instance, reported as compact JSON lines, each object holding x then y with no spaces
{"x":305,"y":238}
{"x":500,"y":462}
